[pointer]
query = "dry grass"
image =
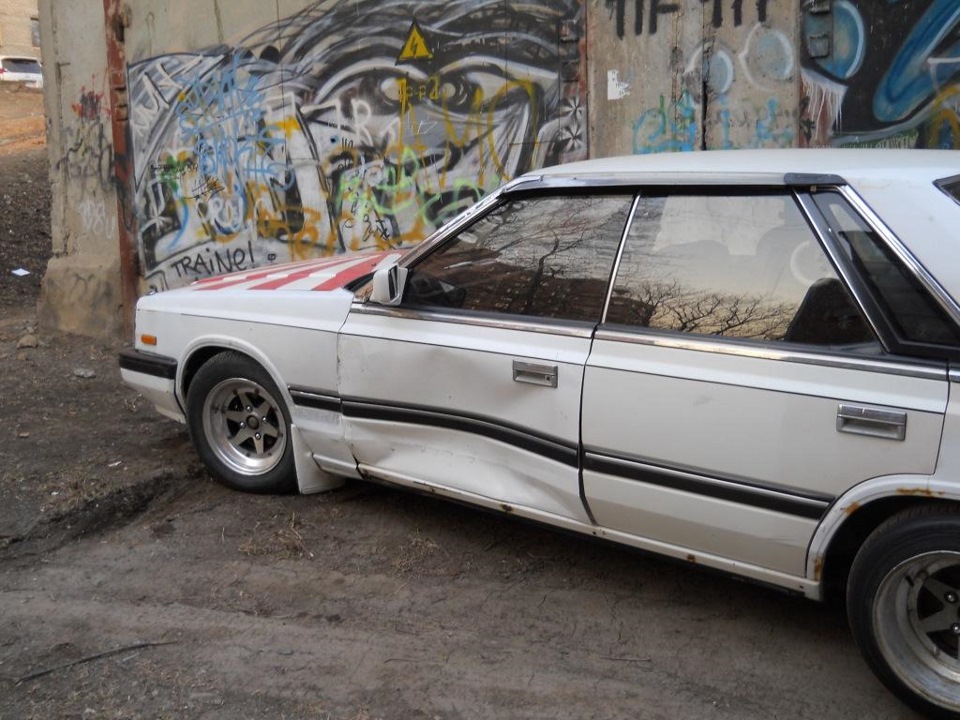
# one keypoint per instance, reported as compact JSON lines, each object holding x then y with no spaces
{"x":414,"y":553}
{"x":285,"y":541}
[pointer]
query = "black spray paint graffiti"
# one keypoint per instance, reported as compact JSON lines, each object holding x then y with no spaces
{"x":646,"y":13}
{"x":889,"y":76}
{"x":348,"y":126}
{"x":89,"y":150}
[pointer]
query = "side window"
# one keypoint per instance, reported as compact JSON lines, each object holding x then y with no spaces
{"x":915,"y":315}
{"x":736,"y":266}
{"x":543,"y":256}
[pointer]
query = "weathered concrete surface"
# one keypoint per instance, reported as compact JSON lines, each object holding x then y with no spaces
{"x":81,"y":294}
{"x":80,"y":291}
{"x":692,"y":75}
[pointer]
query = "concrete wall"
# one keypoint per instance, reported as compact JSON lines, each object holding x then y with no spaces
{"x":16,"y":28}
{"x":263,"y":132}
{"x":692,"y":75}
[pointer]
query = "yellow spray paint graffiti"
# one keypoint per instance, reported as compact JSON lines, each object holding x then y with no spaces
{"x":311,"y":139}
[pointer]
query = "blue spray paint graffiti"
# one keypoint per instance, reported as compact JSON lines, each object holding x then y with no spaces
{"x":740,"y":107}
{"x":667,"y":128}
{"x":347,"y":126}
{"x":891,"y":78}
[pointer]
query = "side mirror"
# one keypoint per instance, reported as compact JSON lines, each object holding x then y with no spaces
{"x":388,"y":285}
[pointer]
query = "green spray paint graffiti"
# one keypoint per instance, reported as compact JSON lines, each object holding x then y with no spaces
{"x":348,"y":126}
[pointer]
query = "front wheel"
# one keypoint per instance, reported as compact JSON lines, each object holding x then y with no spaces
{"x":903,"y":601}
{"x":240,"y":426}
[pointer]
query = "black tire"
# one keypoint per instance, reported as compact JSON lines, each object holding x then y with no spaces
{"x":240,"y":425}
{"x":903,"y":603}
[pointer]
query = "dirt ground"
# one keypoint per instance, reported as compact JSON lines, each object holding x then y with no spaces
{"x":132,"y":586}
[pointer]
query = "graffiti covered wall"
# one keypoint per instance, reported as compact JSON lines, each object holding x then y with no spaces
{"x":882,"y":74}
{"x":346,"y":126}
{"x":692,"y":75}
{"x":255,"y":133}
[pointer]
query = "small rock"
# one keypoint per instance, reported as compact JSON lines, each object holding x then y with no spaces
{"x":28,"y":341}
{"x":84,"y":373}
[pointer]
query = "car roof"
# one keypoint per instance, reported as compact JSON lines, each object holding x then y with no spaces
{"x":898,"y":185}
{"x":765,"y":165}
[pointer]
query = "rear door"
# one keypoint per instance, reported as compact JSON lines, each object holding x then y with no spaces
{"x":473,"y":385}
{"x":736,"y":387}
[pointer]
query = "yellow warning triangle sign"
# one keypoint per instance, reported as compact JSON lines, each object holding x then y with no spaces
{"x":415,"y":48}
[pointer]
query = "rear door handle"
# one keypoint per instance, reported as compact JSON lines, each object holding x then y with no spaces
{"x":533,"y":374}
{"x":874,"y":423}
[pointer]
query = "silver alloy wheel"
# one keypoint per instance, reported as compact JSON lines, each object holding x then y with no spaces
{"x":244,"y":426}
{"x":916,"y":619}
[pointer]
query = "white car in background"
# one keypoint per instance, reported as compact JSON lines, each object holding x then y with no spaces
{"x":24,"y":70}
{"x":746,"y":360}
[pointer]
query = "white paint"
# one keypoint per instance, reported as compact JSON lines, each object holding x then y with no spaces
{"x":93,"y":212}
{"x":616,"y":88}
{"x":767,"y":55}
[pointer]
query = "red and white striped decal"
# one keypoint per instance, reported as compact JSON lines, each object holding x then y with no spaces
{"x":321,"y":274}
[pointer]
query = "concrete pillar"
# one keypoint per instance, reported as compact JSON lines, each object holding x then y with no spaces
{"x":81,"y":290}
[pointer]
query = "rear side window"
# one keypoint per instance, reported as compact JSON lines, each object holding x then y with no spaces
{"x":540,"y":256}
{"x":21,"y":65}
{"x":733,"y":266}
{"x":915,"y":315}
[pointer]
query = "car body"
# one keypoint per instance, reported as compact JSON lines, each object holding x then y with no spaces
{"x":22,"y":69}
{"x":743,"y":359}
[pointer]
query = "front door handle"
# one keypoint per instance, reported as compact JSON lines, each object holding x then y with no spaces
{"x":874,"y":423}
{"x":533,"y":374}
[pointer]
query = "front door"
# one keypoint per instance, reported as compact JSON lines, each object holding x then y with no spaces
{"x":472,"y":386}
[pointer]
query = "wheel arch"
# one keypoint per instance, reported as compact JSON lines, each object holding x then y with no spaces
{"x":857,"y":513}
{"x":836,"y":560}
{"x":194,"y":362}
{"x":203,"y":350}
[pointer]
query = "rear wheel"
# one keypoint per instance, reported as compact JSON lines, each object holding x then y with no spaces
{"x":240,"y":426}
{"x":903,"y":601}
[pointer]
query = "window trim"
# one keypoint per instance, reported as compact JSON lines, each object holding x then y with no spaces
{"x":922,"y":368}
{"x":855,"y":285}
{"x":944,"y":185}
{"x":637,"y":198}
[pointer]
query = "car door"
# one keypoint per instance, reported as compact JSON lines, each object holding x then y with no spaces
{"x":472,"y":385}
{"x":736,"y":388}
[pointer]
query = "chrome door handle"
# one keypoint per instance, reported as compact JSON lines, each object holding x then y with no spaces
{"x":875,"y":423}
{"x":533,"y":374}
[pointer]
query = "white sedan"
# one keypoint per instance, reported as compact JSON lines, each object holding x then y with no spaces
{"x":743,"y":360}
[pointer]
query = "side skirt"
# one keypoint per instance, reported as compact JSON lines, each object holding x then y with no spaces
{"x":791,"y":583}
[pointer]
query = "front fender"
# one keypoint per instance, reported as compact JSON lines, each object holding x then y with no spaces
{"x":227,"y":342}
